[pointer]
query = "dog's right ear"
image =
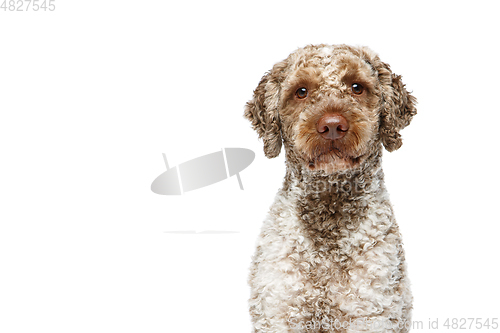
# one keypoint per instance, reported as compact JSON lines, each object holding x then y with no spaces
{"x":262,"y":110}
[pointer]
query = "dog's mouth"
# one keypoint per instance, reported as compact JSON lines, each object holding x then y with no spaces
{"x":331,"y":157}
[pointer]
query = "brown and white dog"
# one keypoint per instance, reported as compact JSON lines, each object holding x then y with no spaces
{"x":329,"y":257}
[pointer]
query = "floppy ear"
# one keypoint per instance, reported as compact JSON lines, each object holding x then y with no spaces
{"x":262,"y":110}
{"x":398,"y":108}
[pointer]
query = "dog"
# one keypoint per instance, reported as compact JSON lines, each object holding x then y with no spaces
{"x":329,"y":257}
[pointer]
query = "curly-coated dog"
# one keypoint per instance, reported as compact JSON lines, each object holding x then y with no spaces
{"x":329,"y":257}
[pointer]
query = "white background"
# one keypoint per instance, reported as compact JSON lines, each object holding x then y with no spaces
{"x":93,"y":93}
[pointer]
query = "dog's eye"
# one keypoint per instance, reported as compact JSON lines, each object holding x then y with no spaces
{"x":357,"y":89}
{"x":301,"y":93}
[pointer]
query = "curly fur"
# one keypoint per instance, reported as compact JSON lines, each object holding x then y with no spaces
{"x":330,"y":252}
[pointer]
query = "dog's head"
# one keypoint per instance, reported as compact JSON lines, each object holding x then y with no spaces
{"x":331,"y":105}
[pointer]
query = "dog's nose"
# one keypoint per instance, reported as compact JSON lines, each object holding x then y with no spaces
{"x":332,"y":126}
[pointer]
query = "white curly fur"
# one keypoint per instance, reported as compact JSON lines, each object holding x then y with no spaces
{"x":279,"y":285}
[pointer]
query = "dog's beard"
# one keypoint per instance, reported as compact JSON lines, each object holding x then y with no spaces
{"x":329,"y":157}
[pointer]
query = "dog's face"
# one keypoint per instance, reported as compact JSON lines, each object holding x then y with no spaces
{"x":331,"y":105}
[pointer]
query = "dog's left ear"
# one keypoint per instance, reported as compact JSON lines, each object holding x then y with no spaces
{"x":398,"y":108}
{"x":262,"y":110}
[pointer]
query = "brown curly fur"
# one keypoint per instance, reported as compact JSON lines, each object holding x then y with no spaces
{"x":330,"y":247}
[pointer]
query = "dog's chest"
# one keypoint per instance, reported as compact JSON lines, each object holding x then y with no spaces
{"x":347,"y":264}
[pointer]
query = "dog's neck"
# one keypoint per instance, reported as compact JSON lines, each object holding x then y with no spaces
{"x":332,"y":205}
